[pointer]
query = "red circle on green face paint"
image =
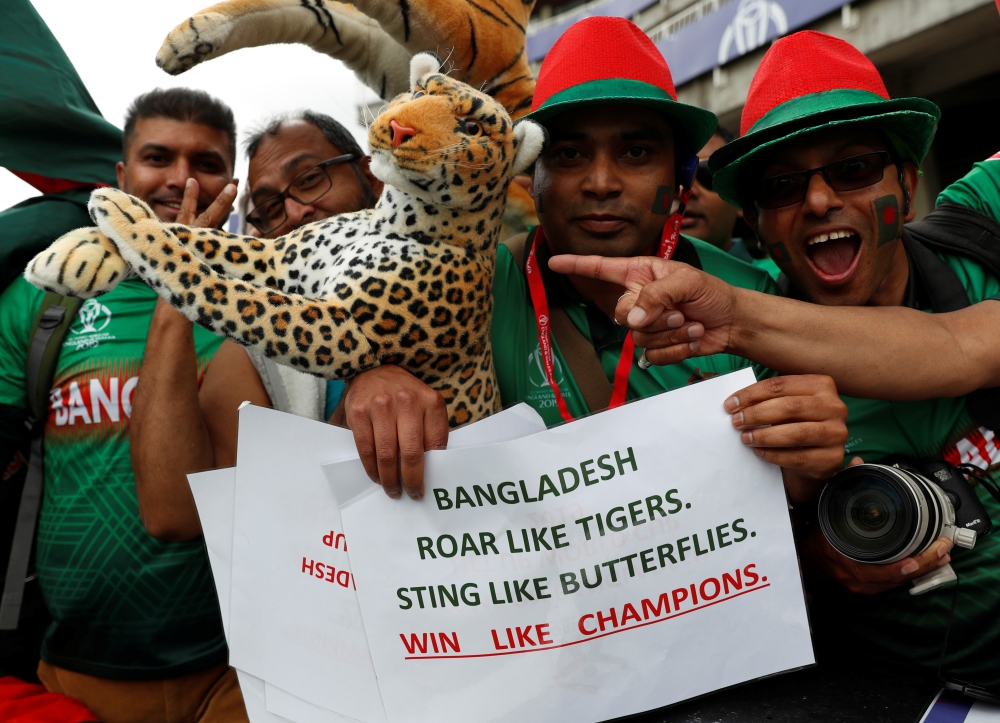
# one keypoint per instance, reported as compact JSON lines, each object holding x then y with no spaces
{"x":889,"y":215}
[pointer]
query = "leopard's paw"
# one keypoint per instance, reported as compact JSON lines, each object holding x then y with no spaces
{"x":119,"y":215}
{"x":198,"y":38}
{"x":83,"y":263}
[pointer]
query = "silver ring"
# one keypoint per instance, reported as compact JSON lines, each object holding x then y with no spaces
{"x":614,"y":320}
{"x":644,"y":363}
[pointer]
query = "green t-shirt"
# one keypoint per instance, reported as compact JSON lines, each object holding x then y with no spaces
{"x":895,"y":628}
{"x":125,"y":605}
{"x":739,"y":250}
{"x":517,"y":357}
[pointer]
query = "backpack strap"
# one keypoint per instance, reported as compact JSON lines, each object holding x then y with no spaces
{"x":944,"y":289}
{"x":52,"y":323}
{"x":961,"y":231}
{"x":946,"y":293}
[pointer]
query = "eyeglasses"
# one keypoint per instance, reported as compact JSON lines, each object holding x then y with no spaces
{"x":847,"y":174}
{"x":307,"y":187}
{"x":703,"y":176}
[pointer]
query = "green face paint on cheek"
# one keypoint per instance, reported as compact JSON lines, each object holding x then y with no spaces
{"x":779,"y":253}
{"x":661,"y":205}
{"x":888,"y":218}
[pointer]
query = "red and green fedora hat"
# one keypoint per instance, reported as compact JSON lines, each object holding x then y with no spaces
{"x":808,"y":81}
{"x":610,"y":60}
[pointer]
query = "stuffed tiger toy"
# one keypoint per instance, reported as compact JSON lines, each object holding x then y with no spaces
{"x":409,"y":282}
{"x":483,"y":41}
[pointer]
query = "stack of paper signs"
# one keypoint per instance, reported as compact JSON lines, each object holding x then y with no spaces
{"x":624,"y":562}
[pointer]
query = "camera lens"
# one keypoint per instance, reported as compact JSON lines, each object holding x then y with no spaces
{"x":876,"y":513}
{"x":872,"y":513}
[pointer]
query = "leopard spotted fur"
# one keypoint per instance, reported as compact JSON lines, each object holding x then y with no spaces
{"x":408,"y":282}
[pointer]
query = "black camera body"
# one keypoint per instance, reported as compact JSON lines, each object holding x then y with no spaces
{"x":969,"y":511}
{"x":883,"y":513}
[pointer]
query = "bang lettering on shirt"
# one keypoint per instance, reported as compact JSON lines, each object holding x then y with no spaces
{"x":97,"y":397}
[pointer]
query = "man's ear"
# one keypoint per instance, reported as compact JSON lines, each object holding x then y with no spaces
{"x":531,"y":138}
{"x":749,"y":215}
{"x":911,"y":177}
{"x":376,"y":185}
{"x":120,"y":172}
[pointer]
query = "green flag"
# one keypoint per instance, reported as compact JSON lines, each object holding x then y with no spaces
{"x":51,"y":135}
{"x":50,"y":126}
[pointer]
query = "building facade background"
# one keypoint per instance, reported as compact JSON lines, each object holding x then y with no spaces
{"x":944,"y":50}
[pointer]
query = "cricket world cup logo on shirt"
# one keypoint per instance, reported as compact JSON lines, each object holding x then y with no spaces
{"x":539,"y":391}
{"x":88,"y":330}
{"x":93,"y":317}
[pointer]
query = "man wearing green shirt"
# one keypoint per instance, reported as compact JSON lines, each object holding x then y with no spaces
{"x":711,"y":218}
{"x":604,"y":184}
{"x":137,"y":633}
{"x":826,"y":169}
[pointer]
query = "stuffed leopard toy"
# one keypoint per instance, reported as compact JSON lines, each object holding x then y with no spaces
{"x":409,"y":282}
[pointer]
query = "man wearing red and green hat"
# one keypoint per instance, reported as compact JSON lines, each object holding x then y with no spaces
{"x":825,"y":171}
{"x":604,"y":184}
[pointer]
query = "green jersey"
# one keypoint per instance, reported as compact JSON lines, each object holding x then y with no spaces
{"x":895,"y":628}
{"x":739,"y":250}
{"x":517,"y":356}
{"x":124,"y":605}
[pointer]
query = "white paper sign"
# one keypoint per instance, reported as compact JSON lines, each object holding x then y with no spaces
{"x":214,"y":495}
{"x":614,"y":565}
{"x":295,"y":619}
{"x":296,"y":629}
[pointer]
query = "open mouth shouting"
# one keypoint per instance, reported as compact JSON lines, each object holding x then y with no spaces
{"x":834,"y":255}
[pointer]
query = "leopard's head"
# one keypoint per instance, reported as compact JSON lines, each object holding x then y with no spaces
{"x":447,"y":144}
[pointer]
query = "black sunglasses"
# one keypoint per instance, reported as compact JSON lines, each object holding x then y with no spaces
{"x":703,"y":176}
{"x":847,"y":174}
{"x":307,"y":187}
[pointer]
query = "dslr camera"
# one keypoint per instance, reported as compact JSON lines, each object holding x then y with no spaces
{"x":882,"y":513}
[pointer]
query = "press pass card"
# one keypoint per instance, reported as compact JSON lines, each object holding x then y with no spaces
{"x":614,"y":565}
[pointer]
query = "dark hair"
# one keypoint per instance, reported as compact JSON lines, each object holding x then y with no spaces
{"x":181,"y":104}
{"x":333,"y":130}
{"x":341,"y":138}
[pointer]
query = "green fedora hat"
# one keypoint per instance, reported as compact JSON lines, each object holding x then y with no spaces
{"x":610,"y":60}
{"x":808,"y":81}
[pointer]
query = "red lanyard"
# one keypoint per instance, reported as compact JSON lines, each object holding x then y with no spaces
{"x":668,"y":242}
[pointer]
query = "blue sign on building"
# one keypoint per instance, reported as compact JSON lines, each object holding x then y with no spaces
{"x":735,"y":28}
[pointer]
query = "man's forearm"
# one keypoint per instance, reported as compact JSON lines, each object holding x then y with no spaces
{"x":168,"y":435}
{"x":891,"y":353}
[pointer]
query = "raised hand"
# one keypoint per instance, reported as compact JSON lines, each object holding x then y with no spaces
{"x":675,"y":311}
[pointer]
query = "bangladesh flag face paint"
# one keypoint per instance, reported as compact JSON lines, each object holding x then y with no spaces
{"x":779,"y":253}
{"x":661,"y":205}
{"x":887,"y":216}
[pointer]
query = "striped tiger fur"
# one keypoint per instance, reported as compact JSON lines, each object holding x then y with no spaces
{"x":483,"y":41}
